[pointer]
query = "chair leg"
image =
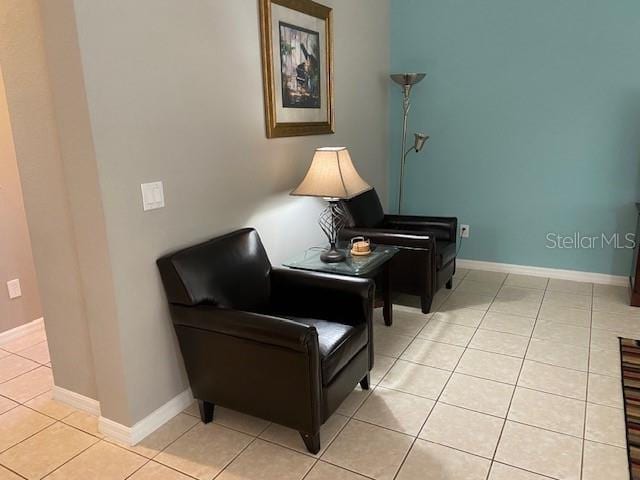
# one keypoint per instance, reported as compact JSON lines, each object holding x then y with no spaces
{"x":206,"y":411}
{"x":311,"y":441}
{"x":365,"y":382}
{"x":449,"y":284}
{"x":425,"y":303}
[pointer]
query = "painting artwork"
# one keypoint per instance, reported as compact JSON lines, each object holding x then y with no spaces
{"x":297,"y":67}
{"x":300,"y":66}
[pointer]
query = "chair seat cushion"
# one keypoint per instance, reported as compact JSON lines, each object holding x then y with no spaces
{"x":445,"y":252}
{"x":338,"y":343}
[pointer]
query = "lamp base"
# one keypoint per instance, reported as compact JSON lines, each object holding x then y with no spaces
{"x":333,"y":255}
{"x":331,"y":221}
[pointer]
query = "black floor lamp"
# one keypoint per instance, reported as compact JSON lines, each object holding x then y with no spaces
{"x":407,"y":81}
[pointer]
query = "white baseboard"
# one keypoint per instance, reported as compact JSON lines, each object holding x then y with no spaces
{"x":558,"y":273}
{"x":149,"y":424}
{"x":21,"y":331}
{"x":75,"y":400}
{"x":115,"y":431}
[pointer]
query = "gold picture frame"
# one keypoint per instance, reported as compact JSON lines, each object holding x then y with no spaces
{"x":297,"y":67}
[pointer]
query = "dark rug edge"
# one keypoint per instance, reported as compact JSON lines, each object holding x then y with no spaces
{"x":624,"y":405}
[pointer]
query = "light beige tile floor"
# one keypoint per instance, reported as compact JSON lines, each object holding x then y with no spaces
{"x":510,"y":378}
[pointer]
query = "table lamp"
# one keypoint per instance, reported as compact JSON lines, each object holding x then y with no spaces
{"x":333,"y":177}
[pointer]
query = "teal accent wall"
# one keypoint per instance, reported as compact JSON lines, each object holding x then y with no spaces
{"x":533,"y":108}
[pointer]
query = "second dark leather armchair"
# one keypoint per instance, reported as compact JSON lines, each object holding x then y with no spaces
{"x":427,"y":258}
{"x":284,"y":345}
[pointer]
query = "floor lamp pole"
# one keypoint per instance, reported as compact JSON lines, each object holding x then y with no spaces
{"x":406,"y":91}
{"x":406,"y":81}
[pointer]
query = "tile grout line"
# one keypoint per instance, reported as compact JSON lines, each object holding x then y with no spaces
{"x":416,"y":437}
{"x":396,"y":359}
{"x":341,"y":467}
{"x":492,"y":380}
{"x":404,"y":459}
{"x":28,"y":437}
{"x":319,"y":456}
{"x":435,"y":402}
{"x":326,"y":448}
{"x":194,"y":426}
{"x":55,"y":421}
{"x":586,"y":394}
{"x":148,"y":459}
{"x":525,"y":470}
{"x":254,"y":438}
{"x":257,"y":437}
{"x":504,"y":423}
{"x":27,"y":348}
{"x":13,"y":471}
{"x":369,"y":422}
{"x":350,"y":417}
{"x":381,"y":380}
{"x":235,"y":457}
{"x":22,"y":373}
{"x":270,"y":442}
{"x":513,"y":393}
{"x":40,"y":364}
{"x":61,"y":422}
{"x":24,"y":404}
{"x":71,"y":458}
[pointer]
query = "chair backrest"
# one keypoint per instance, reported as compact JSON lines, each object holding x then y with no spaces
{"x":365,"y":210}
{"x":230,"y":271}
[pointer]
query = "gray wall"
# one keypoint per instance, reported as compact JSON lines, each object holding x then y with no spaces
{"x":174,"y":93}
{"x":85,"y":206}
{"x":16,"y":260}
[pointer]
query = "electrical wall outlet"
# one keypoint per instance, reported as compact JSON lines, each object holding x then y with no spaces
{"x":13,"y":286}
{"x":464,"y":231}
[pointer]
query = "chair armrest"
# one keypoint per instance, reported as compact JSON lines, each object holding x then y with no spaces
{"x":322,"y":295}
{"x":389,"y":236}
{"x":444,"y":228}
{"x":246,"y":325}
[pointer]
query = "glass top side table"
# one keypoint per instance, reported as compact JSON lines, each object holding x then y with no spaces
{"x":358,"y":266}
{"x":374,"y":265}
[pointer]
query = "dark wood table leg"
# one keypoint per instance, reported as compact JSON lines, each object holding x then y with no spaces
{"x":387,"y":307}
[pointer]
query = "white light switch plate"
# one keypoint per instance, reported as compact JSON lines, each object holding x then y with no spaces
{"x":13,"y":286}
{"x":152,"y":195}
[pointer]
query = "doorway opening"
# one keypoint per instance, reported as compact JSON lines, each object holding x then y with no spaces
{"x":25,"y":364}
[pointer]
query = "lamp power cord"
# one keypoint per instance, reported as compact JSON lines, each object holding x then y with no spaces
{"x":460,"y":237}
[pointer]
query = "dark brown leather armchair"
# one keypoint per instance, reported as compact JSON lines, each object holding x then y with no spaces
{"x":284,"y":345}
{"x":427,"y":258}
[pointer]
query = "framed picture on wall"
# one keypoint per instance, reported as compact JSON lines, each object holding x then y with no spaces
{"x":297,"y":67}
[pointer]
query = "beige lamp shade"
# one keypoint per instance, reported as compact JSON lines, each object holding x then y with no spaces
{"x":332,"y":175}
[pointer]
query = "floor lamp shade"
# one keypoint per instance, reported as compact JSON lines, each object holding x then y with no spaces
{"x":332,"y":175}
